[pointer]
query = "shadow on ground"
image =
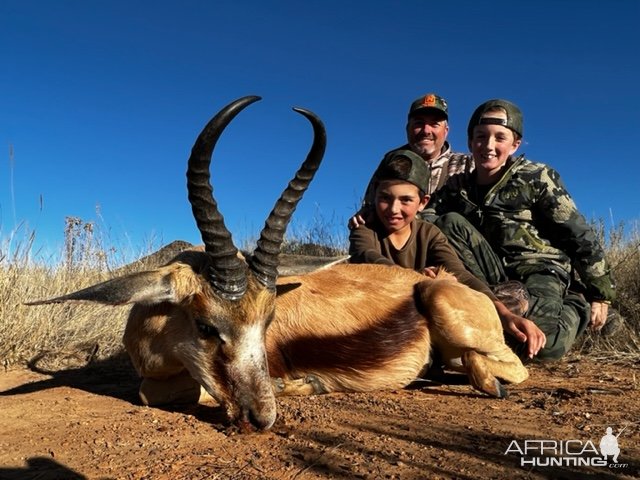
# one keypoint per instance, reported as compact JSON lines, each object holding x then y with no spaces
{"x":113,"y":376}
{"x":41,"y":468}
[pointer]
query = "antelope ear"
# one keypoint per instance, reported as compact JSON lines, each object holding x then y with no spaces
{"x":151,"y":287}
{"x":284,"y":288}
{"x":300,"y":264}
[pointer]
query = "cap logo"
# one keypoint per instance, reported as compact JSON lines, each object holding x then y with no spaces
{"x":429,"y":101}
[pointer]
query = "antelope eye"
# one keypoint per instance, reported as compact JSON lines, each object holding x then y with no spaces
{"x":206,"y":330}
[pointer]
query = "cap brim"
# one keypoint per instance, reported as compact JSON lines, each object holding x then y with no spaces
{"x":430,"y":110}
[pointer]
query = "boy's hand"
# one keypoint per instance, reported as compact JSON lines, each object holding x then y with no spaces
{"x":430,"y":272}
{"x":522,"y":329}
{"x":599,"y":312}
{"x":527,"y":331}
{"x":362,"y":216}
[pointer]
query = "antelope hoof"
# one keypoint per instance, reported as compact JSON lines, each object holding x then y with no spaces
{"x":480,"y":376}
{"x":278,"y":385}
{"x":499,"y":391}
{"x":318,"y":387}
{"x":492,"y":388}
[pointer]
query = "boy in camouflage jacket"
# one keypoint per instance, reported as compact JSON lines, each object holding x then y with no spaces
{"x":514,"y":219}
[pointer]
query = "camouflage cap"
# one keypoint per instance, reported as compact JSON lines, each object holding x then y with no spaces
{"x":513,"y":121}
{"x":417,"y":172}
{"x":427,"y":102}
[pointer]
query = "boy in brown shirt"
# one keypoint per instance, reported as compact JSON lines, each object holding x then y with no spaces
{"x":397,"y":237}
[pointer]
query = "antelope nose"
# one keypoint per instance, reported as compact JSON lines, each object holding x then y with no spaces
{"x":262,"y":422}
{"x":255,"y":419}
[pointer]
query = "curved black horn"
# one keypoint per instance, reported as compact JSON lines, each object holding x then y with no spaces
{"x":264,"y":262}
{"x":228,"y":272}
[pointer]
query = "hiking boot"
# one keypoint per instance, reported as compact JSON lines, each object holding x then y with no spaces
{"x":613,"y":324}
{"x":514,"y":295}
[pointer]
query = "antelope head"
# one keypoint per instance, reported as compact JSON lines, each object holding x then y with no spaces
{"x":214,"y":307}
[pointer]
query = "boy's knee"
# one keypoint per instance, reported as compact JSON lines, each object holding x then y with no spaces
{"x":547,"y":354}
{"x":559,"y":342}
{"x":553,"y":353}
{"x":451,"y":221}
{"x":454,"y":225}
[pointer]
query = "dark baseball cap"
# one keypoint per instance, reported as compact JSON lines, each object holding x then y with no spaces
{"x":429,"y":102}
{"x":417,"y":174}
{"x":513,"y":121}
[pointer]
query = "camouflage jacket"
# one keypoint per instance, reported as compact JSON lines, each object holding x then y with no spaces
{"x":448,"y":161}
{"x":531,"y":222}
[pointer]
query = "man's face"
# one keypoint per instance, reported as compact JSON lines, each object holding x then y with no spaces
{"x":426,"y":133}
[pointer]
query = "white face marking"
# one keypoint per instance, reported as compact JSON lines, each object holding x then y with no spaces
{"x":251,"y":350}
{"x":249,"y":375}
{"x":242,"y":385}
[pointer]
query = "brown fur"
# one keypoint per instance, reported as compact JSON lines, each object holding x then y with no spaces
{"x":346,"y":328}
{"x":463,"y":321}
{"x":356,"y":327}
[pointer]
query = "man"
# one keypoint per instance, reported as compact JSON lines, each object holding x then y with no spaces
{"x":427,"y":129}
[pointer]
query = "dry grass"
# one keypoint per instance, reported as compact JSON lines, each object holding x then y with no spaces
{"x":74,"y":332}
{"x":622,"y":246}
{"x":65,"y":330}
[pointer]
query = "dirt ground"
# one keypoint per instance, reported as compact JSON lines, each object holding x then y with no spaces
{"x":87,"y":422}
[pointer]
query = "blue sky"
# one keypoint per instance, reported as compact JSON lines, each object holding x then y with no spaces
{"x":101,"y":102}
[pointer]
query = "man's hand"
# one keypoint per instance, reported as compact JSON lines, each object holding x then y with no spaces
{"x":356,"y":221}
{"x":361,"y":217}
{"x":522,"y":329}
{"x":599,"y":311}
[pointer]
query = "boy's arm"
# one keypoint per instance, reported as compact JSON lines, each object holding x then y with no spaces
{"x":523,"y":329}
{"x":366,"y":212}
{"x":577,"y":238}
{"x":364,"y":215}
{"x":364,"y":247}
{"x":441,"y":253}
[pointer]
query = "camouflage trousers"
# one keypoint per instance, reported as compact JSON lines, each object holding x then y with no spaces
{"x":559,"y":313}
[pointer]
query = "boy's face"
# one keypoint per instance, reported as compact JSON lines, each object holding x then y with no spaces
{"x":491,"y":145}
{"x":398,"y":203}
{"x":426,"y":133}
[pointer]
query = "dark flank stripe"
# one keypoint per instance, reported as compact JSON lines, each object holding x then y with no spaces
{"x":367,"y":349}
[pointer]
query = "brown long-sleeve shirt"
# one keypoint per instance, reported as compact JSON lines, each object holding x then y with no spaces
{"x":427,"y":247}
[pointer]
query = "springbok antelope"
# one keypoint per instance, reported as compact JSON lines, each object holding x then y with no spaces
{"x":215,"y":320}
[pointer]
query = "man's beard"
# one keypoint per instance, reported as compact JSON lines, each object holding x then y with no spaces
{"x":428,"y":151}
